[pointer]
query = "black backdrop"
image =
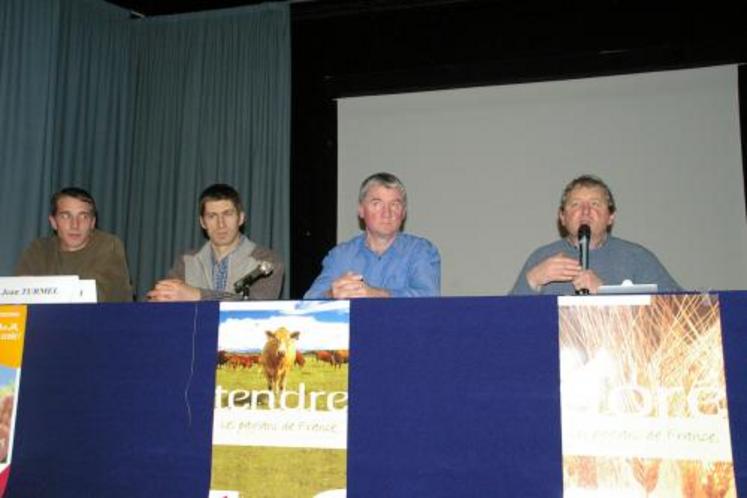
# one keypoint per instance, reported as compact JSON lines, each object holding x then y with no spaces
{"x":343,"y":49}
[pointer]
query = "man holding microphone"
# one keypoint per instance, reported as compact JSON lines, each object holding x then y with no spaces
{"x":556,"y":268}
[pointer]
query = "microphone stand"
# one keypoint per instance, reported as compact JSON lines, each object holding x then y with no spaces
{"x":245,"y":289}
{"x":243,"y":286}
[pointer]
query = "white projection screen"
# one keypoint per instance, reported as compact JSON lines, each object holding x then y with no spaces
{"x":485,"y":167}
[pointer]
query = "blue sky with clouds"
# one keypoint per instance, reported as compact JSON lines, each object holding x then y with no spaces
{"x":322,"y":324}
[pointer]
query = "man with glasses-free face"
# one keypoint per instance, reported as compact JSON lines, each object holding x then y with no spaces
{"x":74,"y":222}
{"x":78,"y":248}
{"x":382,"y":261}
{"x":211,"y":272}
{"x":554,"y":268}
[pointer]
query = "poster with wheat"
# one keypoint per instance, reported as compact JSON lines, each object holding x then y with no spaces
{"x":643,"y":398}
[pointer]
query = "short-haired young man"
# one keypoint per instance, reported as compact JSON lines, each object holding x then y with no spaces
{"x":211,"y":272}
{"x":79,"y":248}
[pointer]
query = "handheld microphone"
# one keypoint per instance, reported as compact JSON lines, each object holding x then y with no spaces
{"x":584,"y":238}
{"x":242,"y":285}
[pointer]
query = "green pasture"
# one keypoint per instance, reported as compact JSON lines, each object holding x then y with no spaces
{"x":280,"y":472}
{"x":316,"y":375}
{"x":277,"y":472}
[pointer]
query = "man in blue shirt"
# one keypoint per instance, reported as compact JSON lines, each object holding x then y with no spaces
{"x":382,"y":261}
{"x":554,"y":269}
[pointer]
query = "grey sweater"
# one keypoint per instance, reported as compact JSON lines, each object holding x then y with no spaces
{"x":196,"y":269}
{"x":616,"y":260}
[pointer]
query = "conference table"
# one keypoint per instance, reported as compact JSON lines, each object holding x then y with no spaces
{"x":452,"y":397}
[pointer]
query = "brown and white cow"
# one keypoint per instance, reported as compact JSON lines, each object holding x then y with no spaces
{"x":278,"y":356}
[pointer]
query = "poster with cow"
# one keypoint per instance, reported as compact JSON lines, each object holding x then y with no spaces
{"x":281,"y":400}
{"x":643,"y":398}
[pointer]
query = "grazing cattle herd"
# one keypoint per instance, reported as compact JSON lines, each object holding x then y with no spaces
{"x":335,"y":358}
{"x":237,"y":360}
{"x":278,"y":357}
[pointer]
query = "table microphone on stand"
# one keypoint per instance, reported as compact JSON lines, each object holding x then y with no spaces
{"x":584,"y":237}
{"x":242,"y":286}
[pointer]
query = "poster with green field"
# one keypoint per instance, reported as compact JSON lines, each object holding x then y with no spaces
{"x":281,"y":400}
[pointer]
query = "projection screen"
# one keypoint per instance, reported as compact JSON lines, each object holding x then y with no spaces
{"x":485,"y":167}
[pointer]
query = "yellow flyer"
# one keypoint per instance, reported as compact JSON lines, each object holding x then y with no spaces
{"x":12,"y":330}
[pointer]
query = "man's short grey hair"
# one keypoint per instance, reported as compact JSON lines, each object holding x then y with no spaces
{"x":385,"y":179}
{"x":588,"y":181}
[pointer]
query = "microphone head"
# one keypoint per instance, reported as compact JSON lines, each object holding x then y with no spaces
{"x":584,"y":232}
{"x":265,"y":268}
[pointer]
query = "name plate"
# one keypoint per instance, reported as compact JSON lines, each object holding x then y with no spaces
{"x":47,"y":289}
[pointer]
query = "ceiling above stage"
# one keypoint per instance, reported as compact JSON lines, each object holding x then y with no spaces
{"x":150,"y":8}
{"x":512,"y":23}
{"x":313,"y":8}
